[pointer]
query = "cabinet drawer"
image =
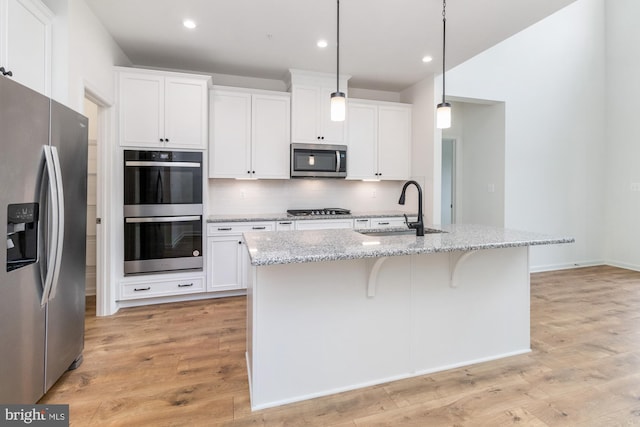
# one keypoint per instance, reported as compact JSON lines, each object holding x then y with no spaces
{"x":391,"y":222}
{"x":224,"y":228}
{"x":287,"y":225}
{"x":323,"y":224}
{"x":161,"y":288}
{"x":359,"y":223}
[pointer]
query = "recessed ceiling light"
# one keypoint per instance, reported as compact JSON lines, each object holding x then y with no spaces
{"x":189,"y":23}
{"x":322,"y":44}
{"x":427,"y":58}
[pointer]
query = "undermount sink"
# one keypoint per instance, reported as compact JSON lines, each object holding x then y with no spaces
{"x":397,"y":232}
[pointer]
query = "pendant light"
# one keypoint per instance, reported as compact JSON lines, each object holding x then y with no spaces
{"x":338,"y":99}
{"x":443,"y":112}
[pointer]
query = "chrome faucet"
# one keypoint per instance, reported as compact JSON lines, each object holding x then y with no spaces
{"x":418,"y":225}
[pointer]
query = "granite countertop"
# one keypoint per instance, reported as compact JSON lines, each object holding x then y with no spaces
{"x":283,"y":216}
{"x":286,"y":247}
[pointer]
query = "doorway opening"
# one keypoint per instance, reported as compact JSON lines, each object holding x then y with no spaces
{"x":98,"y":109}
{"x":91,"y":112}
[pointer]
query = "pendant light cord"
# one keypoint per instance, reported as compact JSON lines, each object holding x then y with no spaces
{"x":338,"y":49}
{"x":444,"y":44}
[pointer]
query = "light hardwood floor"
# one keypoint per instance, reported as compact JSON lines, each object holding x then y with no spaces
{"x":183,"y":364}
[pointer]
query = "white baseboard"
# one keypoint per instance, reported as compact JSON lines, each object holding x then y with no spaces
{"x":626,"y":266}
{"x":566,"y":266}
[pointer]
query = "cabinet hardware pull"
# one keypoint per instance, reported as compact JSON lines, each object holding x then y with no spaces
{"x":161,"y":139}
{"x":361,"y":220}
{"x":285,"y":223}
{"x":383,"y":223}
{"x":5,"y":72}
{"x":184,"y":285}
{"x":225,"y":228}
{"x":148,"y":288}
{"x":166,"y":140}
{"x":259,"y":228}
{"x":240,"y":242}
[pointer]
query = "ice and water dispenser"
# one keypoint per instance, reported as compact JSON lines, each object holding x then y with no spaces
{"x":22,"y":235}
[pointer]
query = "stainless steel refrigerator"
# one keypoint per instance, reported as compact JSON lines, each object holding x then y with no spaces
{"x":43,"y":191}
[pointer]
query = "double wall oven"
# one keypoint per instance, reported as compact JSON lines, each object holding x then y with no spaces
{"x":162,"y":211}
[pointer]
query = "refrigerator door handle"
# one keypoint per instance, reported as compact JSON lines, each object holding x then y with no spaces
{"x":53,"y":211}
{"x":60,"y":224}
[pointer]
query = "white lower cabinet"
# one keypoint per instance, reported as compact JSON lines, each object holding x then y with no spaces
{"x":226,"y":253}
{"x":323,"y":224}
{"x":160,"y":288}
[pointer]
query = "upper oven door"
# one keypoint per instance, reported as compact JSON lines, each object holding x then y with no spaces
{"x":161,"y":178}
{"x":318,"y":160}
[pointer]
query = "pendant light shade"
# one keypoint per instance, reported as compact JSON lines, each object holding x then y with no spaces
{"x":443,"y":112}
{"x":338,"y":99}
{"x":338,"y":106}
{"x":443,"y":115}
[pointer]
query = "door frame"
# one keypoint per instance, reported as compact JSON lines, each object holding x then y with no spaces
{"x":454,"y":172}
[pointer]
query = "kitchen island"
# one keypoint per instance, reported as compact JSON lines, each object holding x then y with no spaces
{"x":334,"y":310}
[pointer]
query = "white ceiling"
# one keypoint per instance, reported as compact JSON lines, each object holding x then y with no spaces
{"x":382,"y":42}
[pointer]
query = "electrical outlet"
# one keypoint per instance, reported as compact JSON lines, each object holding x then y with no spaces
{"x":635,"y":186}
{"x":491,"y":188}
{"x":242,"y":194}
{"x":374,"y":194}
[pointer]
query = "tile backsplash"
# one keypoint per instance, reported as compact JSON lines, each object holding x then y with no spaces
{"x":228,"y":196}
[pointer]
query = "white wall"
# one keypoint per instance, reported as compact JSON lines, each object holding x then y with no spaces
{"x":551,"y":79}
{"x":623,"y":133}
{"x":83,"y":54}
{"x":479,"y":131}
{"x":422,"y":148}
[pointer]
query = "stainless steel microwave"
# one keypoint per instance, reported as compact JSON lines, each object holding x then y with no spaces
{"x":318,"y":161}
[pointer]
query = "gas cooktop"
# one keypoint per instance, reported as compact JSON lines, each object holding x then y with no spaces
{"x":323,"y":211}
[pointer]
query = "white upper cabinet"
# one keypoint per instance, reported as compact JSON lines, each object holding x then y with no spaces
{"x":230,"y":136}
{"x":162,"y":110}
{"x":25,"y":43}
{"x":270,"y":135}
{"x":311,"y":108}
{"x":379,"y":140}
{"x":250,"y":134}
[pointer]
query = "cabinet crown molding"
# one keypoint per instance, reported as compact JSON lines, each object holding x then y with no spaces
{"x":316,"y":78}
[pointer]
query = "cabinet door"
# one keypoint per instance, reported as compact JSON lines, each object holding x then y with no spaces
{"x":331,"y":132}
{"x":362,"y":160}
{"x":185,"y":116}
{"x":304,"y":114}
{"x":394,"y":142}
{"x":270,"y":136}
{"x":25,"y":43}
{"x":141,"y":98}
{"x":225,"y":262}
{"x":230,"y":146}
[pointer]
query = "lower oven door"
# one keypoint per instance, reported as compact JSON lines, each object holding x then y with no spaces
{"x":157,"y":244}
